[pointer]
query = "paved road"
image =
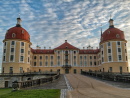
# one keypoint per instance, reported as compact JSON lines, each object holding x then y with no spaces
{"x":85,"y":87}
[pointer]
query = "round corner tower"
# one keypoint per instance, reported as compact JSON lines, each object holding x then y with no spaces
{"x":113,"y":50}
{"x":16,"y":50}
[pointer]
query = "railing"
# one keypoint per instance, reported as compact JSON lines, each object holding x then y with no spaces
{"x":36,"y":82}
{"x":114,"y":76}
{"x":28,"y":73}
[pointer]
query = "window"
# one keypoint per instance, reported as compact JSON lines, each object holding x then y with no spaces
{"x":51,"y":57}
{"x":22,"y":50}
{"x":125,"y":51}
{"x":59,"y":63}
{"x":102,"y":52}
{"x":85,"y":57}
{"x":58,"y":57}
{"x":40,"y":57}
{"x":35,"y":57}
{"x":102,"y":59}
{"x":109,"y":50}
{"x":66,"y":52}
{"x":22,"y":31}
{"x":126,"y":58}
{"x":40,"y":63}
{"x":22,"y":43}
{"x":74,"y":57}
{"x":91,"y":63}
{"x":21,"y":69}
{"x":4,"y":50}
{"x":11,"y":70}
{"x":11,"y":57}
{"x":13,"y":35}
{"x":74,"y":52}
{"x":3,"y":58}
{"x":28,"y":59}
{"x":21,"y":58}
{"x":109,"y":44}
{"x":46,"y":63}
{"x":94,"y":57}
{"x":46,"y":57}
{"x":58,"y":52}
{"x":119,"y":49}
{"x":80,"y":63}
{"x":85,"y":63}
{"x":90,"y":57}
{"x":74,"y":63}
{"x":80,"y":57}
{"x":12,"y":49}
{"x":110,"y":69}
{"x":3,"y":70}
{"x":109,"y":58}
{"x":95,"y":63}
{"x":118,"y":43}
{"x":5,"y":44}
{"x":125,"y":44}
{"x":12,"y":43}
{"x":51,"y":63}
{"x":34,"y":63}
{"x":119,"y":57}
{"x":117,"y":35}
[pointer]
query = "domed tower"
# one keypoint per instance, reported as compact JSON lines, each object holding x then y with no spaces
{"x":113,"y":50}
{"x":16,"y":50}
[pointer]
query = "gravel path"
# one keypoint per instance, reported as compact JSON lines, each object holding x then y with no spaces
{"x":86,"y":87}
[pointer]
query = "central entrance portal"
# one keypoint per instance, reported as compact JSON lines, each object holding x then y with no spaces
{"x":66,"y":71}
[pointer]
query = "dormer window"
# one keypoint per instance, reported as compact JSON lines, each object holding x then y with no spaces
{"x":117,"y":35}
{"x":22,"y":31}
{"x":13,"y":35}
{"x":108,"y":32}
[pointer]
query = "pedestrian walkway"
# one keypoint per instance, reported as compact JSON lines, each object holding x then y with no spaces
{"x":86,"y":87}
{"x":57,"y":84}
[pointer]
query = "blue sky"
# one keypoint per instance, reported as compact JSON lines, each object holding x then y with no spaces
{"x":50,"y":22}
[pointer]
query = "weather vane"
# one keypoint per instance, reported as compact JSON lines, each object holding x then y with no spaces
{"x":19,"y":15}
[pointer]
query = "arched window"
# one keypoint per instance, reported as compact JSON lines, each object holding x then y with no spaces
{"x":13,"y":35}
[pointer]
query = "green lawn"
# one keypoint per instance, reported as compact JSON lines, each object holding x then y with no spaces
{"x":48,"y":93}
{"x":5,"y":91}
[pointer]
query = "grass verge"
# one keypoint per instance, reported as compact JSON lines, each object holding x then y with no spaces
{"x":48,"y":93}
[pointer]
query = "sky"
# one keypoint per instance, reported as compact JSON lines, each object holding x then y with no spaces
{"x":51,"y":22}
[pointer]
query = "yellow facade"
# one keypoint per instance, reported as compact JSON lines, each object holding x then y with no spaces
{"x":19,"y":57}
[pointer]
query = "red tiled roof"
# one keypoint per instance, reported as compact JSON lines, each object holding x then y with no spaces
{"x":112,"y":33}
{"x":42,"y":51}
{"x":89,"y":51}
{"x":66,"y":45}
{"x":20,"y":33}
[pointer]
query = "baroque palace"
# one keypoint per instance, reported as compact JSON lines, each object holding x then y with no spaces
{"x":19,"y":57}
